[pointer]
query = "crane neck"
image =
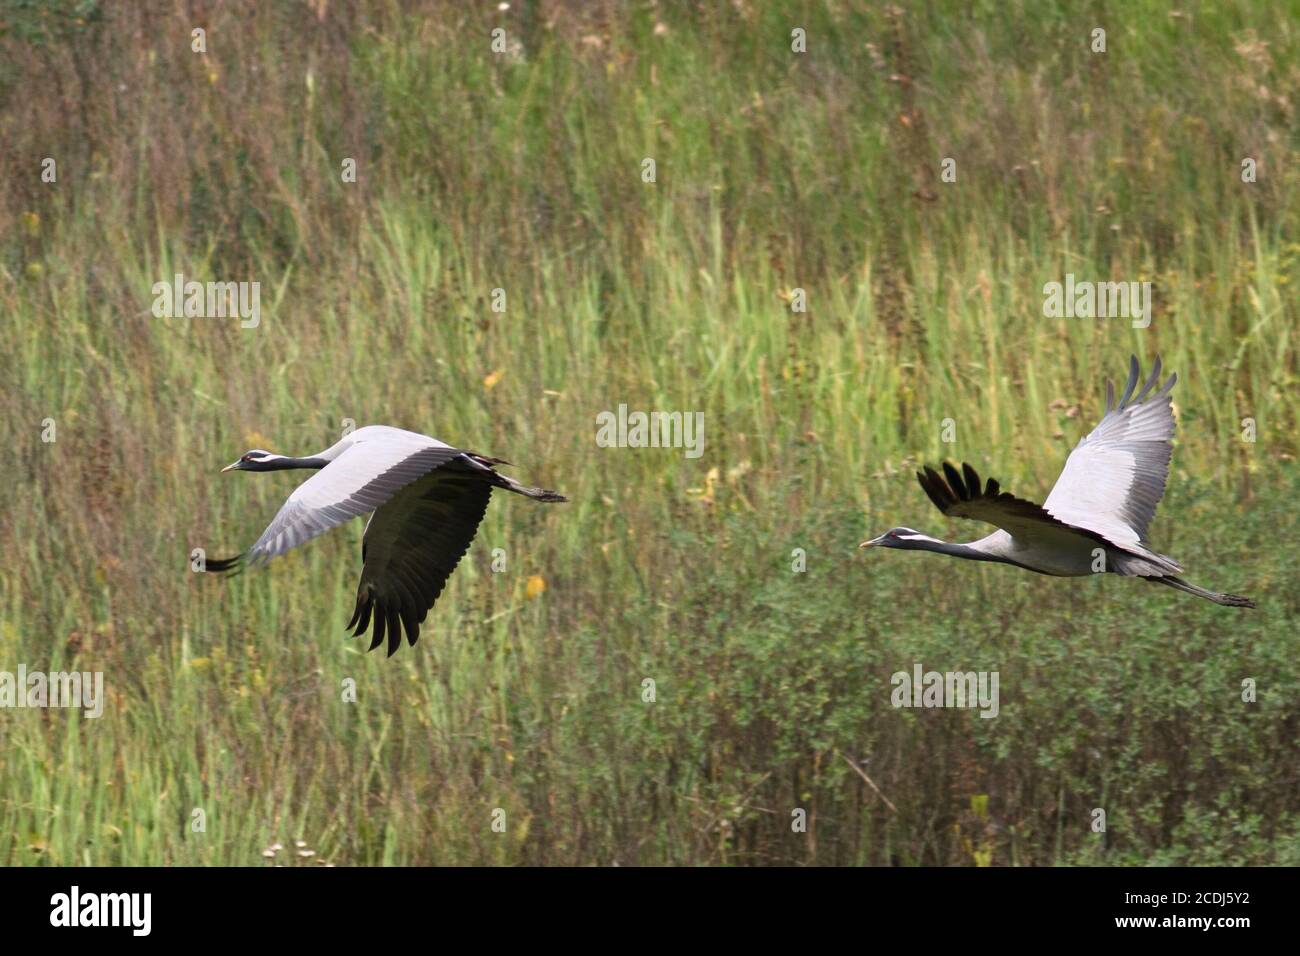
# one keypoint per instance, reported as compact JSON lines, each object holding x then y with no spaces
{"x":955,"y":550}
{"x":286,"y":463}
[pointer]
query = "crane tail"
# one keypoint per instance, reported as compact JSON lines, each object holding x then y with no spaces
{"x":537,"y":494}
{"x":231,"y":566}
{"x":484,"y":464}
{"x":1218,"y":597}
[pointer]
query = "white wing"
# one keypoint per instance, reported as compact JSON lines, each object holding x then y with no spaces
{"x":1116,"y":475}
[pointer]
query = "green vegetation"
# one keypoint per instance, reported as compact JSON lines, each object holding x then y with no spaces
{"x":522,"y":171}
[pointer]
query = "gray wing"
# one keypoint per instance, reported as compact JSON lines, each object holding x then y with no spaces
{"x":360,"y":480}
{"x":411,"y":546}
{"x":1116,"y":475}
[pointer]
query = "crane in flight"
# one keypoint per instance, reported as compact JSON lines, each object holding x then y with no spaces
{"x":1100,"y":506}
{"x":425,"y":500}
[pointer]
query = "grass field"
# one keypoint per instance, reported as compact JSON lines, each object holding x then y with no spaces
{"x":524,"y":171}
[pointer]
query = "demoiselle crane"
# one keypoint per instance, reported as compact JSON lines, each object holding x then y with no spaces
{"x":425,"y":501}
{"x":1096,"y":516}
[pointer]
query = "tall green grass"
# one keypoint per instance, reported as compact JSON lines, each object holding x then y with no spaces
{"x":775,"y":171}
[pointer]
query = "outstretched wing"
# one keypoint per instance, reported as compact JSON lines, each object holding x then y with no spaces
{"x":1116,"y":475}
{"x":411,"y":546}
{"x":357,"y":482}
{"x":961,"y":496}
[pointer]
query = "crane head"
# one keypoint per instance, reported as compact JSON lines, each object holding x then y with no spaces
{"x":896,"y":538}
{"x":255,"y":460}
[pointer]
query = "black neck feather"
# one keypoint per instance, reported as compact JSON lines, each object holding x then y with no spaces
{"x":284,"y":464}
{"x":957,"y":551}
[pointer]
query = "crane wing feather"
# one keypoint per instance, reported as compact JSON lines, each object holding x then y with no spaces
{"x":412,"y":544}
{"x":1115,"y":477}
{"x":961,"y":495}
